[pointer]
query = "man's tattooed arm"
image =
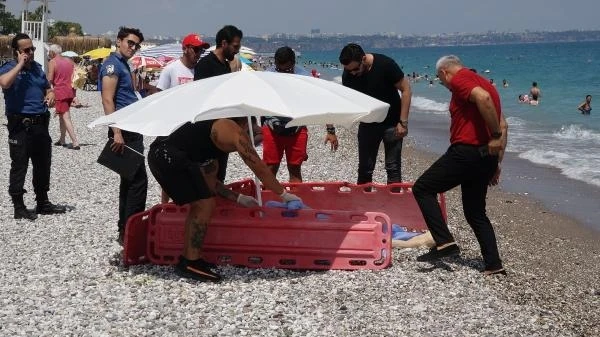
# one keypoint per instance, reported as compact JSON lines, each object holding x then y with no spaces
{"x":226,"y":193}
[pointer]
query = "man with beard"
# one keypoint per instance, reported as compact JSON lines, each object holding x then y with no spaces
{"x":228,"y":43}
{"x":380,"y":77}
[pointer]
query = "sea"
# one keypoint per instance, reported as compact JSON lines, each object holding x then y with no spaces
{"x":553,"y":152}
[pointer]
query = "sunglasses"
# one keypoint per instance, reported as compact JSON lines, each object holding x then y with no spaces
{"x":286,"y":70}
{"x":28,"y":50}
{"x":133,"y":44}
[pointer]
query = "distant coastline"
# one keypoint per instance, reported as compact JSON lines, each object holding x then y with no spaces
{"x":330,"y":42}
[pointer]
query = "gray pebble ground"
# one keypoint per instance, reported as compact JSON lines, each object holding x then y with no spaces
{"x":61,"y":275}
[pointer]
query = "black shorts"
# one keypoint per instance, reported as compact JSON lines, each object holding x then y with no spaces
{"x":178,"y":176}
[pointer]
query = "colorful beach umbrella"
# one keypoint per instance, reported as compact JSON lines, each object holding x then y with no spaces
{"x":98,"y":53}
{"x":170,"y":50}
{"x":148,"y":62}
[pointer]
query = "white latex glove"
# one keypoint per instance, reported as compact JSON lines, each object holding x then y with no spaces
{"x":287,"y":197}
{"x":247,"y":201}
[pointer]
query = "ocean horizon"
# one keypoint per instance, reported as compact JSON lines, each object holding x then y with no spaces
{"x":552,"y":153}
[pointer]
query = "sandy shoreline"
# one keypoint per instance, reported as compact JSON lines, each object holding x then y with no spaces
{"x":60,"y":276}
{"x":553,"y":259}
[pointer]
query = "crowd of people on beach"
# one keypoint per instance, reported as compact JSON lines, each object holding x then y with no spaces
{"x":190,"y":165}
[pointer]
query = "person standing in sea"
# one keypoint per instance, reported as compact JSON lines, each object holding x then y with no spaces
{"x":380,"y":77}
{"x":586,"y":106}
{"x":117,"y":93}
{"x":478,"y":136}
{"x":534,"y":94}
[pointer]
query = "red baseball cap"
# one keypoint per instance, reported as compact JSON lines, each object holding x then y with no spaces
{"x":194,"y":40}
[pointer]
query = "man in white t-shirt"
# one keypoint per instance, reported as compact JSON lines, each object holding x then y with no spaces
{"x":181,"y":71}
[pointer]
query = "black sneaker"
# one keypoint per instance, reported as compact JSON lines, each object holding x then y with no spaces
{"x":196,"y":269}
{"x":436,"y":254}
{"x":47,"y":207}
{"x":24,"y":213}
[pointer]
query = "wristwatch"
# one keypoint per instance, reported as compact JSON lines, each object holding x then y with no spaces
{"x":496,"y":135}
{"x":403,"y":123}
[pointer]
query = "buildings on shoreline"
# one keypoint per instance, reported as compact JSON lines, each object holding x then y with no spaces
{"x":329,"y":42}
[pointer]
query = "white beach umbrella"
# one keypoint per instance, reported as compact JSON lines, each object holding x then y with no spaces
{"x":305,"y":99}
{"x":69,"y":53}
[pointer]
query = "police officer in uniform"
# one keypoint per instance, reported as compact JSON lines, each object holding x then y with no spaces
{"x":118,"y":92}
{"x":27,"y":96}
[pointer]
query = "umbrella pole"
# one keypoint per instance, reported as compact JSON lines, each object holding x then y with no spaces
{"x":256,"y":181}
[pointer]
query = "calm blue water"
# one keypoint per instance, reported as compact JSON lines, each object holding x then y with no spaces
{"x":553,"y":134}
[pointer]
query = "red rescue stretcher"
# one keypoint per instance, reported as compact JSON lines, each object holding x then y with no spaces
{"x":347,"y":227}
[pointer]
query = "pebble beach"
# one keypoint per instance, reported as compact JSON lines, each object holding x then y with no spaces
{"x":62,"y":275}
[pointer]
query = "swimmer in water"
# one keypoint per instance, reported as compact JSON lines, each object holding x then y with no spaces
{"x":586,"y":106}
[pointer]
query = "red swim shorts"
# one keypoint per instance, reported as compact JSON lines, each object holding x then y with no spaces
{"x":63,"y":105}
{"x":275,"y":145}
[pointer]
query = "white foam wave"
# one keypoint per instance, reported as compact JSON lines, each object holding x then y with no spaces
{"x":426,"y":104}
{"x":337,"y":79}
{"x":574,"y":165}
{"x":515,"y":121}
{"x":552,"y":158}
{"x":576,"y":132}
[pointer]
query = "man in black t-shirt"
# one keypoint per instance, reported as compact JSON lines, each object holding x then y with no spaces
{"x":380,"y":77}
{"x":228,"y":43}
{"x":185,"y":167}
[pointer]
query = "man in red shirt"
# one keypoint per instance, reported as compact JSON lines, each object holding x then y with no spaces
{"x":478,"y":138}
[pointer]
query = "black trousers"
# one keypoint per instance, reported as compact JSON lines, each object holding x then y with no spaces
{"x":29,"y":140}
{"x":472,"y":169}
{"x":223,"y":160}
{"x":132,"y":193}
{"x":370,"y":136}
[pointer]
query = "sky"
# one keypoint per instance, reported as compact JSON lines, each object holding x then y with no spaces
{"x":260,"y":17}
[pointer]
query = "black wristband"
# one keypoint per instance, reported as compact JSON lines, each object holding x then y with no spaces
{"x":331,"y":131}
{"x":496,"y":135}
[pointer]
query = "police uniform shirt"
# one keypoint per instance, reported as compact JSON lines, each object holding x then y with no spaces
{"x":26,"y":94}
{"x":116,"y":65}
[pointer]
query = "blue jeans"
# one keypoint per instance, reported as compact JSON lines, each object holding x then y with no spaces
{"x":370,"y":136}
